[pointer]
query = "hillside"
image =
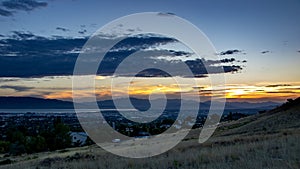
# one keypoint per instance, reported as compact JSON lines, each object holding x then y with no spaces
{"x":284,"y":117}
{"x":268,"y":140}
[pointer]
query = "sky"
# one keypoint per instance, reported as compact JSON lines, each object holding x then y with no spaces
{"x":40,"y":42}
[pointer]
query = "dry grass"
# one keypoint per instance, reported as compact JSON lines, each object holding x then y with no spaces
{"x":272,"y":151}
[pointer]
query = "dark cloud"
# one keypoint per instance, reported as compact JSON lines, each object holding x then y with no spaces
{"x":265,"y":51}
{"x":281,"y":92}
{"x":207,"y":91}
{"x":200,"y":76}
{"x":25,"y":5}
{"x":199,"y":67}
{"x":179,"y":53}
{"x":232,"y":69}
{"x":26,"y":55}
{"x":8,"y":7}
{"x":226,"y":60}
{"x":298,"y":51}
{"x":36,"y":56}
{"x":166,"y":14}
{"x":62,"y":29}
{"x":259,"y":90}
{"x":230,"y":52}
{"x":198,"y":87}
{"x":278,"y":85}
{"x":4,"y":12}
{"x":82,"y":31}
{"x":8,"y":80}
{"x":21,"y":35}
{"x":17,"y":88}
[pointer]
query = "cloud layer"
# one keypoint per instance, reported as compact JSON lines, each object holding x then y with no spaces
{"x":8,"y":7}
{"x":24,"y":54}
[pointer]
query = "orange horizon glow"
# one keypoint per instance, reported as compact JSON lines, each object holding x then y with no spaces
{"x":154,"y":87}
{"x":232,"y":92}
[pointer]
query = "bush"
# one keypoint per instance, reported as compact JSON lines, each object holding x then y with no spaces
{"x":17,"y":149}
{"x":7,"y":161}
{"x":4,"y":146}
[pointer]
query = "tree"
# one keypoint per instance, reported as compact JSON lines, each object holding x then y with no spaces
{"x":40,"y":144}
{"x":4,"y":146}
{"x":58,"y":137}
{"x":230,"y":117}
{"x":15,"y":135}
{"x":35,"y":144}
{"x":62,"y":136}
{"x":17,"y":149}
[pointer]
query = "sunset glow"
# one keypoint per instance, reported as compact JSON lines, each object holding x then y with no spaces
{"x":140,"y":88}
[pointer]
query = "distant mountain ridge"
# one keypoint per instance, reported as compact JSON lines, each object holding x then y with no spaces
{"x":33,"y":103}
{"x":141,"y":104}
{"x":144,"y":104}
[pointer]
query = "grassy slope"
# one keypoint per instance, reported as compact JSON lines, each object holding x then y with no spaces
{"x":269,"y":140}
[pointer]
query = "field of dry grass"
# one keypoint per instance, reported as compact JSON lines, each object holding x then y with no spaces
{"x":269,"y":140}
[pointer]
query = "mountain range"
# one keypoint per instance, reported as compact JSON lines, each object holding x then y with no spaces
{"x":140,"y":104}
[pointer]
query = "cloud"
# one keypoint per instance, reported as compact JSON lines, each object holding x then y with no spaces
{"x":278,"y":85}
{"x":82,"y":31}
{"x":230,"y":52}
{"x":198,"y":87}
{"x":62,"y":29}
{"x":166,"y":14}
{"x":199,"y":67}
{"x":17,"y":88}
{"x":232,"y":69}
{"x":4,"y":12}
{"x":40,"y":56}
{"x":27,"y":55}
{"x":25,"y":5}
{"x":226,"y":60}
{"x":3,"y":80}
{"x":12,"y":6}
{"x":265,"y":51}
{"x":283,"y":92}
{"x":298,"y":51}
{"x":24,"y":35}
